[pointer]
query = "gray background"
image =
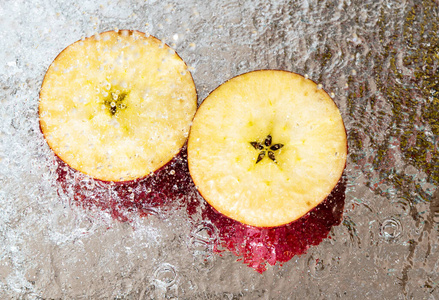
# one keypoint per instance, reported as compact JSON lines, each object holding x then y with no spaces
{"x":377,"y":59}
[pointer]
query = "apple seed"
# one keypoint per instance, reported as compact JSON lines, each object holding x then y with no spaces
{"x":260,"y":156}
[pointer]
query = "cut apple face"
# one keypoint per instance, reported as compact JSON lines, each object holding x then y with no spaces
{"x":266,"y":147}
{"x":117,"y":106}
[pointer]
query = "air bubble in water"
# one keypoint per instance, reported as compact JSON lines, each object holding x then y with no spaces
{"x":165,"y":275}
{"x":390,"y":229}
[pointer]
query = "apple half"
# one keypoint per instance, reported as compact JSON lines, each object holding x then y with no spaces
{"x":266,"y":147}
{"x":117,"y":106}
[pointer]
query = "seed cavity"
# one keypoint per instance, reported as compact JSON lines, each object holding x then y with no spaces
{"x":266,"y":149}
{"x":115,"y":101}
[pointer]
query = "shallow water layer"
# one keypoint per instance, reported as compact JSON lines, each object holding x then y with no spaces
{"x":377,"y":59}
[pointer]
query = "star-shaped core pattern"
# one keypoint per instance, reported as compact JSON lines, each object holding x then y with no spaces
{"x":115,"y":101}
{"x":266,"y":148}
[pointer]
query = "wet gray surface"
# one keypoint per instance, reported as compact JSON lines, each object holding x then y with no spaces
{"x":377,"y":59}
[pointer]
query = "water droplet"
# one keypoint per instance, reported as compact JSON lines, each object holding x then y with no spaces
{"x":243,"y":65}
{"x":205,"y":232}
{"x":204,"y":237}
{"x":165,"y":275}
{"x":322,"y":267}
{"x":390,"y":229}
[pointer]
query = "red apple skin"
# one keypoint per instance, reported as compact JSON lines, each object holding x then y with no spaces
{"x":152,"y":195}
{"x":259,"y":245}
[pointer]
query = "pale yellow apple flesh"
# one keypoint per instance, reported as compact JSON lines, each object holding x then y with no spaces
{"x":293,"y":122}
{"x":117,"y":106}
